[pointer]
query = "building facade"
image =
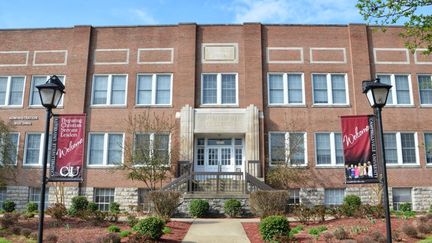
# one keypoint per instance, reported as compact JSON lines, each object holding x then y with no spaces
{"x":240,"y":96}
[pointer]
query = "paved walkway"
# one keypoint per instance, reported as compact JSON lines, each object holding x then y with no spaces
{"x":217,"y":231}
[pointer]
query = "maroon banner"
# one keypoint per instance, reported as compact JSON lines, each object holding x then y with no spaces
{"x":359,"y":149}
{"x":67,"y":148}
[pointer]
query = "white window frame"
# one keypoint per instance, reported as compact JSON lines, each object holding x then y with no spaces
{"x":17,"y":146}
{"x":330,"y":90}
{"x":393,"y":91}
{"x":422,"y":74}
{"x":334,"y":189}
{"x":105,"y":149}
{"x":396,"y":205}
{"x":151,"y":137}
{"x":32,"y":87}
{"x":109,"y":90}
{"x":8,"y":91}
{"x":286,"y":89}
{"x":399,"y":150}
{"x":219,"y":89}
{"x":332,"y":151}
{"x":154,"y":86}
{"x":41,"y":147}
{"x":287,"y":134}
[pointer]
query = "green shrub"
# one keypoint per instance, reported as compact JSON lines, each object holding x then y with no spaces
{"x":266,"y":203}
{"x":114,"y":207}
{"x":125,"y":233}
{"x":316,"y":231}
{"x":167,"y":230}
{"x":92,"y":207}
{"x":113,"y":228}
{"x":198,"y":208}
{"x":405,"y":207}
{"x":57,"y":211}
{"x":164,"y":203}
{"x":351,"y":205}
{"x":299,"y":228}
{"x":9,"y":206}
{"x":151,"y":227}
{"x":79,"y":203}
{"x":232,"y":207}
{"x":31,"y":207}
{"x":273,"y":227}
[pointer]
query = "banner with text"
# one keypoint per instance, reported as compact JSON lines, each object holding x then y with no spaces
{"x":67,"y":148}
{"x":359,"y":149}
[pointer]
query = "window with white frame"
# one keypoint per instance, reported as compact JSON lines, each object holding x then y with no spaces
{"x":34,"y":93}
{"x":9,"y":144}
{"x":105,"y":149}
{"x":154,"y":89}
{"x":330,"y":89}
{"x":425,"y":89}
{"x":401,"y":148}
{"x":144,"y":202}
{"x":334,"y":196}
{"x":109,"y":90}
{"x":3,"y":195}
{"x":401,"y":196}
{"x":33,"y":153}
{"x":328,"y":149}
{"x":285,"y":88}
{"x":151,"y":147}
{"x":103,"y":197}
{"x":219,"y":89}
{"x":288,"y":147}
{"x":428,"y":147}
{"x":294,"y":197}
{"x":11,"y":90}
{"x":34,"y":194}
{"x":400,"y":93}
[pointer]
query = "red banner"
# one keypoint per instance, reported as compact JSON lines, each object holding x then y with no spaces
{"x":359,"y":149}
{"x":67,"y":149}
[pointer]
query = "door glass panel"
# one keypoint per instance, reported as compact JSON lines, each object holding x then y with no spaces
{"x":219,"y":142}
{"x":212,"y":156}
{"x":225,"y":156}
{"x":238,"y":156}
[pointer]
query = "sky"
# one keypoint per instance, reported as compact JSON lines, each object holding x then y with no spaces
{"x":67,"y":13}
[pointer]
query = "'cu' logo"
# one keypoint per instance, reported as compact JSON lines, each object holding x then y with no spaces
{"x":69,"y":171}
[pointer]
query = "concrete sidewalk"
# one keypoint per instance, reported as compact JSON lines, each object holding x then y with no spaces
{"x":217,"y":231}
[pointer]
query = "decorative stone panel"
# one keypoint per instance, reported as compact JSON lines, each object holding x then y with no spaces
{"x":367,"y":194}
{"x":88,"y":192}
{"x":19,"y":195}
{"x":127,"y":197}
{"x":69,"y":193}
{"x":216,"y":202}
{"x":421,"y":198}
{"x":312,"y":196}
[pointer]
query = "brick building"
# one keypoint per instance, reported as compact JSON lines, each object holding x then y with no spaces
{"x":238,"y":93}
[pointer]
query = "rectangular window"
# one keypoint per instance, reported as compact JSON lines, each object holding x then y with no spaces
{"x":11,"y":90}
{"x":288,"y":148}
{"x":428,"y":147}
{"x":3,"y":195}
{"x":105,"y":149}
{"x":425,"y":89}
{"x":401,"y":148}
{"x":33,"y":153}
{"x":151,"y":147}
{"x":34,"y":196}
{"x":109,"y":90}
{"x":400,"y":93}
{"x":328,"y":149}
{"x":330,"y":89}
{"x":154,"y":89}
{"x":103,"y":197}
{"x":200,"y":151}
{"x":400,"y":196}
{"x":285,"y":89}
{"x":294,"y":197}
{"x":34,"y":93}
{"x":144,"y":202}
{"x":9,"y":144}
{"x":334,"y":197}
{"x":219,"y":89}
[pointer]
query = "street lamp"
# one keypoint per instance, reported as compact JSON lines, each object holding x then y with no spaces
{"x":377,"y":93}
{"x":50,"y":94}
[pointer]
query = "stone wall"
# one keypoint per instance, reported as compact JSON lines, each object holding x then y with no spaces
{"x":69,"y":193}
{"x":368,"y":195}
{"x":127,"y":197}
{"x":88,"y":192}
{"x":312,"y":196}
{"x":18,"y":194}
{"x":421,"y":198}
{"x":216,"y":202}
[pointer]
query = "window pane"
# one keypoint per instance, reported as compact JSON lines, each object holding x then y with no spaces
{"x":32,"y":148}
{"x":103,"y":197}
{"x":338,"y":88}
{"x":16,"y":93}
{"x":144,"y":89}
{"x":408,"y":148}
{"x":385,"y":79}
{"x":100,"y":90}
{"x":320,"y":88}
{"x":163,"y":87}
{"x":3,"y":194}
{"x":96,"y":149}
{"x":118,"y":91}
{"x":334,"y":197}
{"x":339,"y":149}
{"x":142,"y":148}
{"x":296,"y":143}
{"x":425,"y":86}
{"x":161,"y":148}
{"x":10,"y":149}
{"x":295,"y":93}
{"x":3,"y":88}
{"x":401,"y":195}
{"x":277,"y":147}
{"x":115,"y":145}
{"x":323,"y":148}
{"x":34,"y":196}
{"x":428,"y":147}
{"x":209,"y":89}
{"x":276,"y":89}
{"x":390,"y":148}
{"x":228,"y":89}
{"x":402,"y":89}
{"x":238,"y":156}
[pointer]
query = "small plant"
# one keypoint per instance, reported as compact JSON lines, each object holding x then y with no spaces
{"x":125,"y":233}
{"x":266,"y":203}
{"x":9,"y":206}
{"x":114,"y":208}
{"x":167,"y":230}
{"x":396,"y":236}
{"x":151,"y":227}
{"x":57,"y":211}
{"x":78,"y":207}
{"x":31,"y":207}
{"x":319,"y":212}
{"x":164,"y":203}
{"x":8,"y":220}
{"x":274,"y":226}
{"x":92,"y":207}
{"x":299,"y":228}
{"x":51,"y":238}
{"x":316,"y":231}
{"x":113,"y":229}
{"x":351,"y":205}
{"x":198,"y":208}
{"x":232,"y":207}
{"x":303,"y":213}
{"x":340,"y":233}
{"x":409,"y":230}
{"x":405,"y":207}
{"x":26,"y":232}
{"x":132,"y":220}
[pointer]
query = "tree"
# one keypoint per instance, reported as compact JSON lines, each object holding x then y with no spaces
{"x":8,"y":154}
{"x":418,"y":32}
{"x":149,"y":151}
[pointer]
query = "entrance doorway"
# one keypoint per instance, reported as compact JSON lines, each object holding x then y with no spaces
{"x":219,"y":155}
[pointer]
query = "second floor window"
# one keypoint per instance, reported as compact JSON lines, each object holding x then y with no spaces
{"x":329,"y":150}
{"x":288,"y":148}
{"x":109,"y":90}
{"x":105,"y":149}
{"x":285,"y":89}
{"x":154,"y":89}
{"x":34,"y":92}
{"x":330,"y":89}
{"x":9,"y":145}
{"x":151,"y":148}
{"x":219,"y":89}
{"x":33,"y":154}
{"x":400,"y":148}
{"x":400,"y":93}
{"x":11,"y":90}
{"x":425,"y":88}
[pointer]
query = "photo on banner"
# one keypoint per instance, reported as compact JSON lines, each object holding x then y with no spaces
{"x":67,"y":149}
{"x":359,"y":149}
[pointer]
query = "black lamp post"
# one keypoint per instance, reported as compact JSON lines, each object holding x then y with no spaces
{"x":377,"y":93}
{"x":50,"y":94}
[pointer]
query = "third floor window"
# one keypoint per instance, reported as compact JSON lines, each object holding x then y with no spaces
{"x":425,"y":89}
{"x":330,"y":89}
{"x":400,"y":93}
{"x":219,"y":89}
{"x":285,"y":89}
{"x":109,"y":90}
{"x":154,"y":89}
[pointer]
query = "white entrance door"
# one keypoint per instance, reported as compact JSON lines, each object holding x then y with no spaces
{"x":219,"y":155}
{"x":219,"y":159}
